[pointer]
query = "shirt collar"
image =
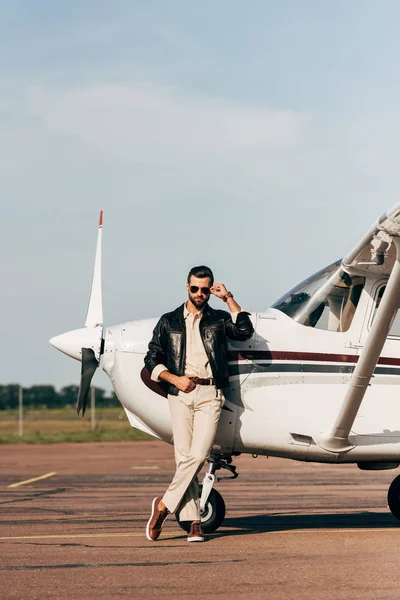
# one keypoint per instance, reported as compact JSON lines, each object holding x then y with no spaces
{"x":186,"y":313}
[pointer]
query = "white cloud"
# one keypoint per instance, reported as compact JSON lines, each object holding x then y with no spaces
{"x":150,"y":123}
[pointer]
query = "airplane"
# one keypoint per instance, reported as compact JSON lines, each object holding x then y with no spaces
{"x":317,"y":382}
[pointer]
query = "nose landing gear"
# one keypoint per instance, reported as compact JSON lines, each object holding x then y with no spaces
{"x":212,"y":505}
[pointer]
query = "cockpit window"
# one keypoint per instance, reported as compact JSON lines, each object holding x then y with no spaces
{"x":326,"y":300}
{"x":395,"y":326}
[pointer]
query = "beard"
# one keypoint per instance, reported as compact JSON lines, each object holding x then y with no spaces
{"x":198,"y":302}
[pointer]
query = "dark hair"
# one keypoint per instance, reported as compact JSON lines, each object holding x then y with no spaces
{"x":201,"y":272}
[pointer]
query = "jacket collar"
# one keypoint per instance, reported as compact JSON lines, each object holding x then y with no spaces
{"x":186,"y":313}
{"x":178,"y":313}
{"x":208,"y":313}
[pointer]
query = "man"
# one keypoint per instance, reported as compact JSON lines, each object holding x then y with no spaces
{"x":188,"y":351}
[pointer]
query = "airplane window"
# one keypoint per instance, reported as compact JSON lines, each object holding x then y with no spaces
{"x":395,"y":328}
{"x":326,"y":300}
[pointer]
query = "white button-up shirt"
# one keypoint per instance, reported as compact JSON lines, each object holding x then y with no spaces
{"x":197,"y":362}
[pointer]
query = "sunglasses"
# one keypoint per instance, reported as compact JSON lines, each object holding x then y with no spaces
{"x":195,"y":288}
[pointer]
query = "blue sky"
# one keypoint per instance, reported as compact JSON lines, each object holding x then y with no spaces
{"x":260,"y":138}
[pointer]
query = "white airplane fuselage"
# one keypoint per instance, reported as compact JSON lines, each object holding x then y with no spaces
{"x":318,"y":380}
{"x":287,"y":385}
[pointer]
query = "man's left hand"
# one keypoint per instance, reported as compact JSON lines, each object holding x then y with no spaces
{"x":219,"y":290}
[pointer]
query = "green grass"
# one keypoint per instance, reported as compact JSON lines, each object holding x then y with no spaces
{"x":63,"y":425}
{"x":79,"y":436}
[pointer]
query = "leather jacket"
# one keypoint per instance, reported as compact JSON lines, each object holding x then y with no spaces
{"x":168,"y":344}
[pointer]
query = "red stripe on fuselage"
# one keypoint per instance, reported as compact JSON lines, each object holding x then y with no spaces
{"x":302,"y":356}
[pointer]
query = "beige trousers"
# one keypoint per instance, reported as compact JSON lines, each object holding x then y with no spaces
{"x":194,"y":418}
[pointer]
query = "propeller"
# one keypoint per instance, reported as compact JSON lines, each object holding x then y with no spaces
{"x":94,"y":319}
{"x":87,"y":344}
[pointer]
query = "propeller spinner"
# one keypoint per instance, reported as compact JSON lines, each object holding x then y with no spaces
{"x":87,"y":344}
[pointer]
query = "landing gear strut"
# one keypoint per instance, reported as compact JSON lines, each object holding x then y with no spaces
{"x":212,"y":505}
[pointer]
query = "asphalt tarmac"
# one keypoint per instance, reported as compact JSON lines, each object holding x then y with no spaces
{"x":292,"y":530}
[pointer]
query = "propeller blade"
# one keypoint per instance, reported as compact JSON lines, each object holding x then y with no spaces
{"x":87,"y":344}
{"x":94,"y":323}
{"x":89,"y":366}
{"x":94,"y":315}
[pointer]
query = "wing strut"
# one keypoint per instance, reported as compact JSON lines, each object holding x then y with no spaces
{"x":338,"y":439}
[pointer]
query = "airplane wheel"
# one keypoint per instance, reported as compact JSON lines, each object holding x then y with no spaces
{"x":213,"y":515}
{"x":394,"y":497}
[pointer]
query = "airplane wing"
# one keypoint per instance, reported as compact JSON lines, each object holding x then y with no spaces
{"x":377,"y":253}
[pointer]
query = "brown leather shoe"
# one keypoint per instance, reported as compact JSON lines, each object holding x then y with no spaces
{"x":195,"y":534}
{"x":156,"y":521}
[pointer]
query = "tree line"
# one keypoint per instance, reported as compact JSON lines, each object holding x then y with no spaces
{"x":46,"y":396}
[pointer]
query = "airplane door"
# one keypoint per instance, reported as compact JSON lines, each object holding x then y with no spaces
{"x":390,"y":354}
{"x":379,"y":410}
{"x":240,"y":367}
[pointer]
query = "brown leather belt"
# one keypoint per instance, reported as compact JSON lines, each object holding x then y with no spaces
{"x":201,"y":381}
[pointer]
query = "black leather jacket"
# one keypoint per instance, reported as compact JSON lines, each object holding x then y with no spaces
{"x":168,"y":344}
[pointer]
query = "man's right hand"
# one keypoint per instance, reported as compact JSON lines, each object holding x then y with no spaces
{"x":184,"y":384}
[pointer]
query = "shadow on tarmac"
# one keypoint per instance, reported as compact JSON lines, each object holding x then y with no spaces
{"x":265,"y":523}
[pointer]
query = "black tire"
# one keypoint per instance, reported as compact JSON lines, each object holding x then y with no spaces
{"x":213,"y":516}
{"x":394,"y":497}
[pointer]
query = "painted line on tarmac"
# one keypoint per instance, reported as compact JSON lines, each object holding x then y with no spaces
{"x":329,"y":530}
{"x":73,"y":535}
{"x":152,"y":468}
{"x":45,"y":476}
{"x":114,"y":535}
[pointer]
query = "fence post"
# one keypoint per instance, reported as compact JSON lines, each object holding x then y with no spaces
{"x":20,"y":411}
{"x":93,"y":407}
